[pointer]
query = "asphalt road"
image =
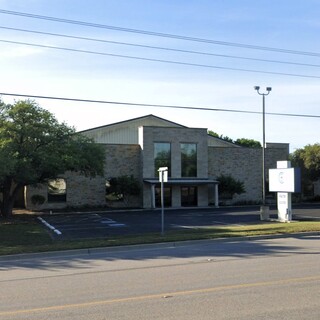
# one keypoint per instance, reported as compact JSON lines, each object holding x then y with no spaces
{"x":104,"y":224}
{"x":266,"y":279}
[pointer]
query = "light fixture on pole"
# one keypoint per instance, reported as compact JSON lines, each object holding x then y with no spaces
{"x":268,"y":89}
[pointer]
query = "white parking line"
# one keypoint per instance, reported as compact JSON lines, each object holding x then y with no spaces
{"x":112,"y":223}
{"x":108,"y":221}
{"x":50,"y":226}
{"x":117,"y":225}
{"x":203,"y":227}
{"x":308,"y":217}
{"x":184,"y":227}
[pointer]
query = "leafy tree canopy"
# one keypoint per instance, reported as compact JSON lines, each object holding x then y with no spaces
{"x":308,"y":159}
{"x":230,"y":186}
{"x":250,"y":143}
{"x":35,"y":147}
{"x":216,"y":135}
{"x":124,"y":187}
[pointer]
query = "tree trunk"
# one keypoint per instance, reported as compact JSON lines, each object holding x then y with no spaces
{"x":10,"y":192}
{"x":7,"y":207}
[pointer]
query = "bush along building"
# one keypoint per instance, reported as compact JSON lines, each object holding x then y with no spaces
{"x":136,"y":148}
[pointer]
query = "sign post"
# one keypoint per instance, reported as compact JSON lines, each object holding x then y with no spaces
{"x":163,"y":177}
{"x":284,"y":180}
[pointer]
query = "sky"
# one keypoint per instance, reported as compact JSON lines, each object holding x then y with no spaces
{"x":236,"y":45}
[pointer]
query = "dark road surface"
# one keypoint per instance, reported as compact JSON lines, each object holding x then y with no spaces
{"x":106,"y":223}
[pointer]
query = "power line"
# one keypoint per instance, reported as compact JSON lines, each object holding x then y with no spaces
{"x":155,"y":105}
{"x":159,"y":34}
{"x":161,"y":60}
{"x":159,"y":48}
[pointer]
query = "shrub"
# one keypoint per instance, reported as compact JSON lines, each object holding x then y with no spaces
{"x":38,"y":199}
{"x":228,"y":186}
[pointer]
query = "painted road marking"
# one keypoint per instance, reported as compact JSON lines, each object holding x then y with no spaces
{"x":76,"y":226}
{"x":107,"y":221}
{"x":213,"y":223}
{"x":182,"y":226}
{"x":162,"y":295}
{"x":308,"y":217}
{"x":117,"y":225}
{"x":51,"y":227}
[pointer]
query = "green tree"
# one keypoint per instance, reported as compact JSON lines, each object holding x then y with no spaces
{"x":311,"y":158}
{"x":216,"y":135}
{"x":124,"y":187}
{"x":308,"y":159}
{"x":213,"y":134}
{"x":35,"y":147}
{"x":249,"y":143}
{"x":229,"y":186}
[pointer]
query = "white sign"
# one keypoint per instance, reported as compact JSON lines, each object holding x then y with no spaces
{"x":284,"y":180}
{"x":163,"y":177}
{"x":284,"y":206}
{"x":163,"y":174}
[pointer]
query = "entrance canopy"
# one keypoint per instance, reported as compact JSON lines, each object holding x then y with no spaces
{"x":177,"y":182}
{"x":184,"y":182}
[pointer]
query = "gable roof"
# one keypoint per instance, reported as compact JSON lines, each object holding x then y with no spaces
{"x":126,"y":132}
{"x":148,"y":118}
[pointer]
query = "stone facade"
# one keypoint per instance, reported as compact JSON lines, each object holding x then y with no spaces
{"x":122,"y":160}
{"x":174,"y":136}
{"x":245,"y":164}
{"x":81,"y":191}
{"x":91,"y":192}
{"x":125,"y":156}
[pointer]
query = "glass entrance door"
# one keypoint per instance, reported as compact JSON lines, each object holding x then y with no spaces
{"x":166,"y":196}
{"x":189,"y":196}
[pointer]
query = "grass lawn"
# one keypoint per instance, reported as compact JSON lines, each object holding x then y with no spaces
{"x":23,"y":234}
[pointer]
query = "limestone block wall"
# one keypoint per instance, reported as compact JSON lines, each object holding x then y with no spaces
{"x":124,"y":160}
{"x":81,"y":191}
{"x":175,"y":136}
{"x":203,"y":196}
{"x":245,"y":164}
{"x":86,"y":191}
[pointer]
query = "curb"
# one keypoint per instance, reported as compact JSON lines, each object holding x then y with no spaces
{"x":154,"y":246}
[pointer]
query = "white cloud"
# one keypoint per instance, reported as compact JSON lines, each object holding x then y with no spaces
{"x":19,"y":52}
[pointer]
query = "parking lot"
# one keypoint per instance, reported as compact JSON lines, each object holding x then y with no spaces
{"x":104,"y":224}
{"x":111,"y":223}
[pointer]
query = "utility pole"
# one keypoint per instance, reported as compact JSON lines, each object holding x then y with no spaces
{"x":268,"y":89}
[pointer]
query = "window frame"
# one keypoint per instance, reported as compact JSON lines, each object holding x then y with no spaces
{"x":161,"y":161}
{"x":57,"y":196}
{"x":189,"y":160}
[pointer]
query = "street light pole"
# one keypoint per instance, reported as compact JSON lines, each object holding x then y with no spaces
{"x":268,"y":89}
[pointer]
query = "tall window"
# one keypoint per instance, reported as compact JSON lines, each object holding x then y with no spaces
{"x":188,"y":159}
{"x":57,"y":190}
{"x":162,"y":157}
